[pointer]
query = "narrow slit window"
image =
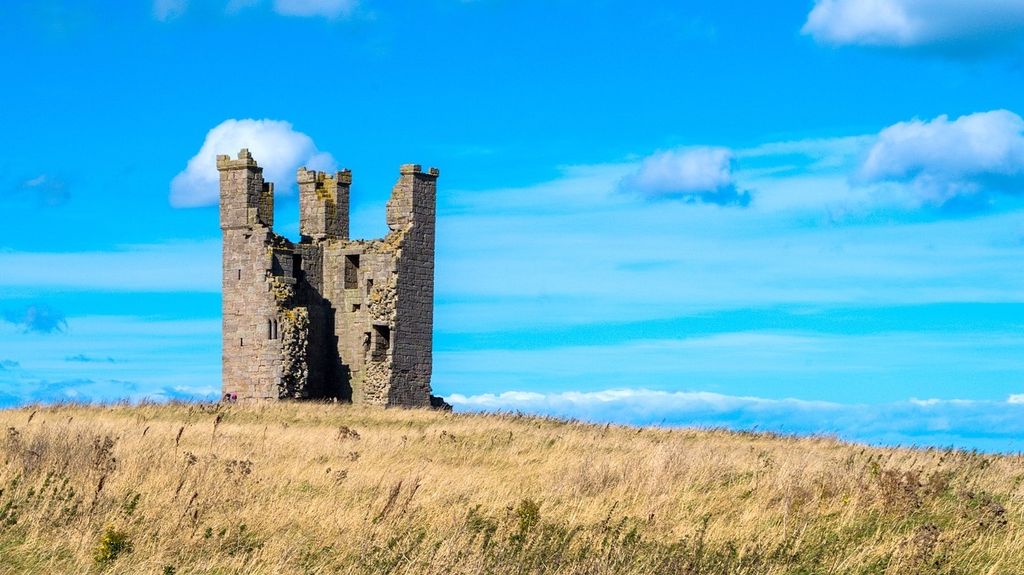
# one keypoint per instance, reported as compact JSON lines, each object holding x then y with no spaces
{"x":366,"y":343}
{"x":275,"y":329}
{"x":369,"y":286}
{"x":352,"y":271}
{"x":241,"y":342}
{"x":239,"y":274}
{"x":270,"y":329}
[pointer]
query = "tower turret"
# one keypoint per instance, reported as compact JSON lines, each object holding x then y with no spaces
{"x":323,"y":204}
{"x":413,"y":198}
{"x":245,"y":200}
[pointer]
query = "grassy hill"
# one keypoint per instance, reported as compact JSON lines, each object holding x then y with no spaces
{"x":314,"y":488}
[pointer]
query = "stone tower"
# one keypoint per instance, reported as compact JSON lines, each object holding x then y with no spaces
{"x":328,"y":317}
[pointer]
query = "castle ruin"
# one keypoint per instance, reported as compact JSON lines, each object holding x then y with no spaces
{"x":327,"y":317}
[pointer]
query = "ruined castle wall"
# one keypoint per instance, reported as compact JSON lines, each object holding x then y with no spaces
{"x":323,"y":365}
{"x":252,"y":350}
{"x":413,"y":207}
{"x":359,"y":274}
{"x":376,"y":327}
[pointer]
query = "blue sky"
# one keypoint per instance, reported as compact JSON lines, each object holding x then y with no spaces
{"x":806,"y":218}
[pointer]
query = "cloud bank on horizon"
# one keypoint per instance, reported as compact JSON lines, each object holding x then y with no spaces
{"x":995,"y":425}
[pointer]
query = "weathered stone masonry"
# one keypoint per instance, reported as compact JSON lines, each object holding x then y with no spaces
{"x":328,"y":317}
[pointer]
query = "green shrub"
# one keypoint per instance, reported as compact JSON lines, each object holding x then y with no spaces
{"x":113,"y":543}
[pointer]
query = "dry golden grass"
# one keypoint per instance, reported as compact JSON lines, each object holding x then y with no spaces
{"x":314,"y":488}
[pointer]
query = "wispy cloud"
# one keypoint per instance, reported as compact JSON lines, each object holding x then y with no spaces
{"x":38,"y":318}
{"x":164,"y":10}
{"x":144,"y":349}
{"x":82,"y":358}
{"x":580,"y":249}
{"x":989,"y":425}
{"x":824,"y":153}
{"x":329,"y":9}
{"x":48,"y":190}
{"x":43,"y":190}
{"x":173,"y":266}
{"x":278,"y":148}
{"x":979,"y":25}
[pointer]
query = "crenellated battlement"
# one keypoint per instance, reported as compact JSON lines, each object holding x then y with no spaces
{"x":244,"y":161}
{"x":327,"y":317}
{"x":416,"y":169}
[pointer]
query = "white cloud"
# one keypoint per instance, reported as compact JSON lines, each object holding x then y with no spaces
{"x":944,"y":159}
{"x":990,"y":425}
{"x":907,"y":23}
{"x":278,"y":148}
{"x":326,"y":8}
{"x":164,"y":10}
{"x":697,"y":174}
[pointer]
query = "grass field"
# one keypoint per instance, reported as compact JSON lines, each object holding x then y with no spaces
{"x":320,"y":488}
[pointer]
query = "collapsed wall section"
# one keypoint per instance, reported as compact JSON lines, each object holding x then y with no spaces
{"x":363,"y":294}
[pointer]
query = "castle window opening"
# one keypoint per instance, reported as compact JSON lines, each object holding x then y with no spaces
{"x":241,"y":342}
{"x":382,"y":341}
{"x":356,"y":306}
{"x":275,"y":329}
{"x":239,"y":274}
{"x":366,"y":343}
{"x":369,"y":286}
{"x":297,"y":266}
{"x":270,"y":329}
{"x":352,"y":271}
